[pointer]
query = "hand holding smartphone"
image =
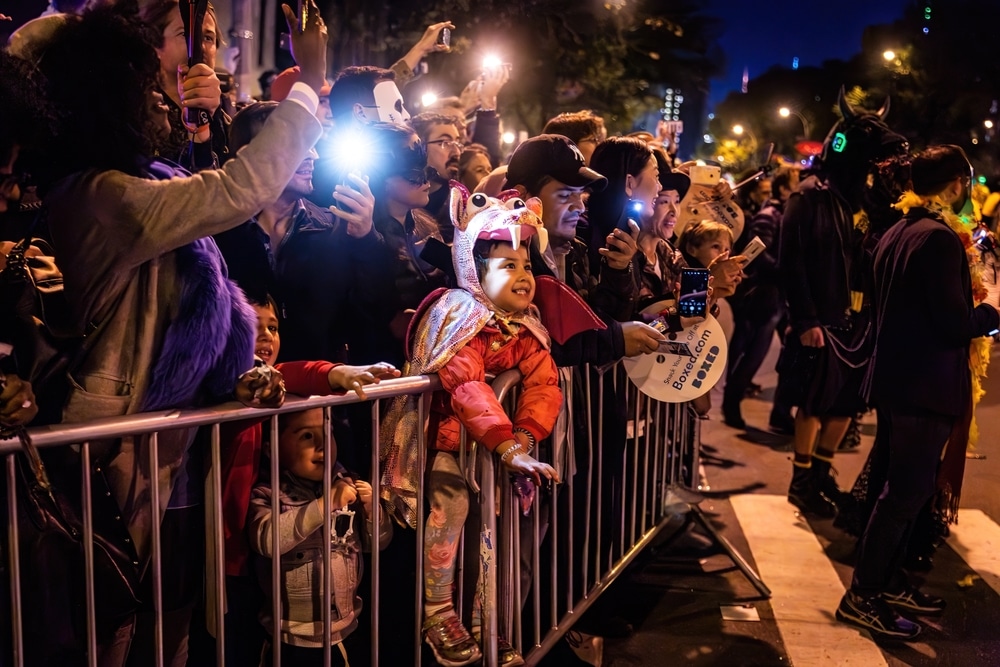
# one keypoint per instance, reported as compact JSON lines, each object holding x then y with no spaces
{"x":693,"y":298}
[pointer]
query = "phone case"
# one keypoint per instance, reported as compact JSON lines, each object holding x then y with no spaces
{"x":753,"y":249}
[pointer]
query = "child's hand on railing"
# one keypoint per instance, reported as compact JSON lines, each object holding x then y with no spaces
{"x":353,"y":378}
{"x":261,"y":387}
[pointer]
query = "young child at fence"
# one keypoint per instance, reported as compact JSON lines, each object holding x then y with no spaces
{"x":702,"y":243}
{"x":300,"y":527}
{"x":485,"y":327}
{"x":241,"y":459}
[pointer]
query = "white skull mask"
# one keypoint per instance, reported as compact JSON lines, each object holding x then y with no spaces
{"x":389,"y":103}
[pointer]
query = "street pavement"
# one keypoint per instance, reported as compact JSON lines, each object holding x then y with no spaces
{"x":682,"y":596}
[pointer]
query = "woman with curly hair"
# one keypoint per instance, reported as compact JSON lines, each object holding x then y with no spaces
{"x":166,"y":329}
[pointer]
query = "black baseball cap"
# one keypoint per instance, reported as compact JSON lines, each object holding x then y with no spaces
{"x":555,"y":156}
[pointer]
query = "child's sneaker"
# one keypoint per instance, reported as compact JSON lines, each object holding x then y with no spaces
{"x":507,"y":655}
{"x":449,"y":640}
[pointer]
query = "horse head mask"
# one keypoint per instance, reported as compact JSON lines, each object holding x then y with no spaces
{"x":859,"y":140}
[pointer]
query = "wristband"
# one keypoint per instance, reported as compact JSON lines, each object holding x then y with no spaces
{"x":527,"y":433}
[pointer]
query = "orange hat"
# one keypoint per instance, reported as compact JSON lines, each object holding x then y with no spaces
{"x":282,"y":84}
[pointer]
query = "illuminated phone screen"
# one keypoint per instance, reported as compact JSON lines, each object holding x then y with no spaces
{"x":693,"y":301}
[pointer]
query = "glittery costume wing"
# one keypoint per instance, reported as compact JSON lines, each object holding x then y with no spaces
{"x":448,"y":324}
{"x":444,"y":328}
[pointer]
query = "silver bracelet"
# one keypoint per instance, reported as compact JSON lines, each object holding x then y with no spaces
{"x":511,"y":451}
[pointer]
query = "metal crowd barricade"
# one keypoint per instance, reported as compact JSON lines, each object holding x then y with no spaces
{"x":626,"y":499}
{"x":586,"y":545}
{"x":83,"y":434}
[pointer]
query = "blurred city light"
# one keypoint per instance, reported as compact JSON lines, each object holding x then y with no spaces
{"x":427,"y":99}
{"x":889,"y":55}
{"x":738,"y":130}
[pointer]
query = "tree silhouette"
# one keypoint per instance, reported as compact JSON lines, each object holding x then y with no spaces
{"x":614,"y":58}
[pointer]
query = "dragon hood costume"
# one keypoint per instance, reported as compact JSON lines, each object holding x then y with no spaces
{"x":447,"y":320}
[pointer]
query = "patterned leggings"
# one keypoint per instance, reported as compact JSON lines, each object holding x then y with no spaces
{"x":449,"y":500}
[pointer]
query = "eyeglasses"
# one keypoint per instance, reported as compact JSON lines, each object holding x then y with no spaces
{"x":448,"y":144}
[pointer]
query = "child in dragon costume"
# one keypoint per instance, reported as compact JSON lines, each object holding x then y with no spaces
{"x":485,"y":327}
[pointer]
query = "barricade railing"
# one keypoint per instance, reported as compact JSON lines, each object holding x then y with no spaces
{"x":580,"y":534}
{"x":619,"y":478}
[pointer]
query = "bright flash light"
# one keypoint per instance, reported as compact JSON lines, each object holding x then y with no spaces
{"x":492,"y":61}
{"x":784,"y":112}
{"x":988,"y":124}
{"x":889,"y":55}
{"x":351,"y":152}
{"x":427,"y":99}
{"x":508,"y":138}
{"x":738,"y":130}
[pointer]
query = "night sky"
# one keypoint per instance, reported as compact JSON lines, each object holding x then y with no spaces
{"x":760,"y":34}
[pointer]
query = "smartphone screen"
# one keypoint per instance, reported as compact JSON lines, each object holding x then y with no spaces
{"x":693,"y":301}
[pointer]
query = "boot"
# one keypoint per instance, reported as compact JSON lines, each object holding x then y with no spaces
{"x":805,"y":495}
{"x":731,"y":414}
{"x":824,"y":479}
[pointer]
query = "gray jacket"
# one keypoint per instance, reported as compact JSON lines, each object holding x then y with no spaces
{"x":301,"y":538}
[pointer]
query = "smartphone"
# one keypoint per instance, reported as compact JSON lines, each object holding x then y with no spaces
{"x":693,"y":299}
{"x":753,"y":249}
{"x":676,"y":347}
{"x":706,"y":175}
{"x":446,"y":36}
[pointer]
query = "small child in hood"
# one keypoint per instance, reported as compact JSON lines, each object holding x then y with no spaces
{"x":485,"y":327}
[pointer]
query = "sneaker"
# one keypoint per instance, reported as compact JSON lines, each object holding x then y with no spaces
{"x":451,"y":643}
{"x":507,"y":655}
{"x":875,"y":615}
{"x":812,"y":501}
{"x":912,"y":600}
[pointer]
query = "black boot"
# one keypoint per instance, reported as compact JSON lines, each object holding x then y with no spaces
{"x":805,"y":494}
{"x":824,"y":479}
{"x":731,"y":414}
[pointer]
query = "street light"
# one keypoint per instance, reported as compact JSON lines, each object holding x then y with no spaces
{"x":889,"y":55}
{"x":785,"y":112}
{"x":739,"y":131}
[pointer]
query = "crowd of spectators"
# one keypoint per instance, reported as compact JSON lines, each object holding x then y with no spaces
{"x":327,"y":213}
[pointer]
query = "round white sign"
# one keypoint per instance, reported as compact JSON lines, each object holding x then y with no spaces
{"x":686,"y":366}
